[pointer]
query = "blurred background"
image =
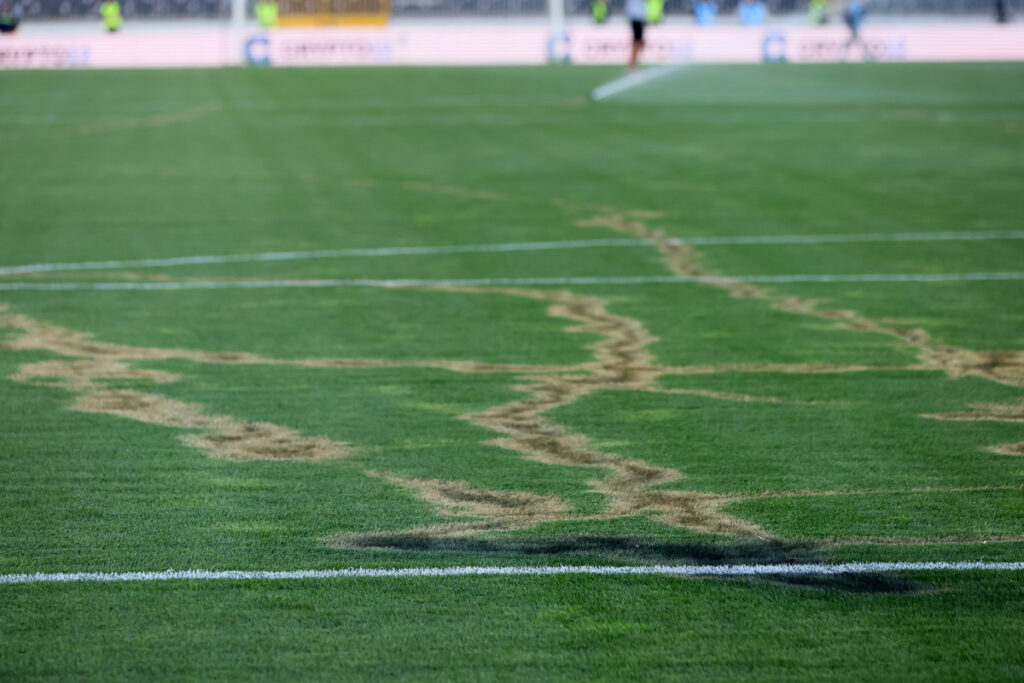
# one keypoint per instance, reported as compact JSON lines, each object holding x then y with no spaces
{"x":205,"y":33}
{"x":49,"y":10}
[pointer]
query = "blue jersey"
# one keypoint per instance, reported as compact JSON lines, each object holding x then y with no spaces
{"x":636,"y":10}
{"x":854,"y":14}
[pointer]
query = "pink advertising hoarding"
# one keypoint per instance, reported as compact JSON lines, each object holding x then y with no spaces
{"x":164,"y":49}
{"x":511,"y":44}
{"x":741,"y":44}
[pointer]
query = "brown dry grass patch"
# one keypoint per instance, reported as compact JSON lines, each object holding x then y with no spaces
{"x":1009,"y":448}
{"x":491,"y":509}
{"x":728,"y":396}
{"x":620,"y":360}
{"x":220,"y":436}
{"x":995,"y":412}
{"x":1005,"y":367}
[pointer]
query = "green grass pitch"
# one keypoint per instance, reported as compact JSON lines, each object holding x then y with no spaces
{"x":187,"y":418}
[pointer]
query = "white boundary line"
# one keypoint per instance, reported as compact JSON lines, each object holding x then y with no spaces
{"x":865,"y":237}
{"x":437,"y":572}
{"x":632,"y":80}
{"x":324,"y":253}
{"x":515,"y":282}
{"x":737,"y":240}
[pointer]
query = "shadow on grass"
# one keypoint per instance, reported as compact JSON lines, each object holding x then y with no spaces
{"x":581,"y":549}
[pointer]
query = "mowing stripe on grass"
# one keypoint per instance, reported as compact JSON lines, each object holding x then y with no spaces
{"x":738,"y":240}
{"x":435,"y":572}
{"x":516,"y":282}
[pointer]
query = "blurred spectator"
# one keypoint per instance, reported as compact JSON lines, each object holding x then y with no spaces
{"x":752,"y":12}
{"x":655,"y":11}
{"x":110,"y":11}
{"x":266,"y":13}
{"x":1002,"y":12}
{"x":636,"y":10}
{"x":853,"y":17}
{"x":705,"y":11}
{"x":818,"y":10}
{"x":10,"y":16}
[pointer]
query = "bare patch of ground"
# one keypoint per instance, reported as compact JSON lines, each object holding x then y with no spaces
{"x":725,"y":396}
{"x":219,"y":436}
{"x":993,"y":412}
{"x":490,"y":509}
{"x":620,"y":360}
{"x":1009,"y":448}
{"x":997,"y":412}
{"x":80,"y":375}
{"x":794,"y":368}
{"x":34,"y":335}
{"x":1005,"y":367}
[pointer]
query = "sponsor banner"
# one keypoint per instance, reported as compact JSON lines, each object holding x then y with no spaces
{"x":163,"y":49}
{"x":485,"y":44}
{"x":741,"y":44}
{"x":452,"y":45}
{"x":940,"y":43}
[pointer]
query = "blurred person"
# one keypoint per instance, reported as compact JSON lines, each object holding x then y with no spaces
{"x":1002,"y":12}
{"x":705,"y":12}
{"x":10,"y":16}
{"x":752,"y":12}
{"x":266,"y":13}
{"x":818,"y":11}
{"x":110,"y":12}
{"x":655,"y":11}
{"x":636,"y":11}
{"x":853,"y":17}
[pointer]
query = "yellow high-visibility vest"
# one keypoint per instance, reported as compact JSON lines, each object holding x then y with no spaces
{"x":266,"y":13}
{"x":655,"y":11}
{"x":110,"y":11}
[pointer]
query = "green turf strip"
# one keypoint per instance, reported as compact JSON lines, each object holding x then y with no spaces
{"x":900,"y":515}
{"x":128,"y":165}
{"x":866,"y":432}
{"x":981,"y":315}
{"x":342,"y":323}
{"x":705,"y":326}
{"x":501,"y":628}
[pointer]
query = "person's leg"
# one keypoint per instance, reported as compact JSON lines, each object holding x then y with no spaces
{"x":638,"y":44}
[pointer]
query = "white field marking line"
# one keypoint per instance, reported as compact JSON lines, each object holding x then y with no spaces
{"x":436,"y":572}
{"x":866,"y":237}
{"x":324,"y":253}
{"x":632,"y":80}
{"x":514,"y":282}
{"x":510,"y":247}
